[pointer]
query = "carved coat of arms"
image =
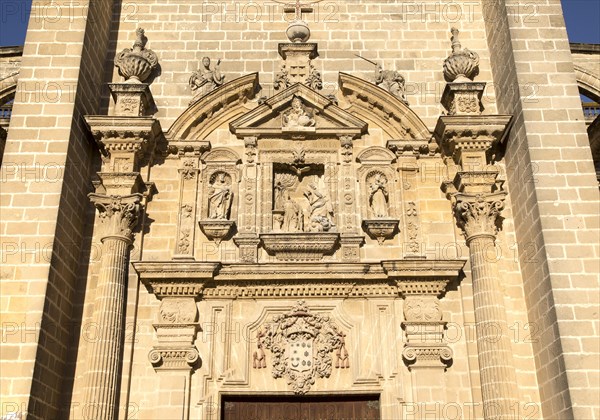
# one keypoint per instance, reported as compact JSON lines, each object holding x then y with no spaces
{"x":301,"y":344}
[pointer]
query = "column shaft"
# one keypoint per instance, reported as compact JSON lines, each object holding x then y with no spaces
{"x":498,"y":380}
{"x":104,"y":357}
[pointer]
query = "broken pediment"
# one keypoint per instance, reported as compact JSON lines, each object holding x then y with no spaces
{"x":300,"y":112}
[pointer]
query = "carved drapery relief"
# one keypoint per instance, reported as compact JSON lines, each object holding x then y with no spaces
{"x":219,"y":194}
{"x":379,"y":197}
{"x":301,"y":344}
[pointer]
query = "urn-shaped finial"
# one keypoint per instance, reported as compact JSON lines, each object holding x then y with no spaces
{"x":135,"y":64}
{"x":462,"y":65}
{"x":298,"y":31}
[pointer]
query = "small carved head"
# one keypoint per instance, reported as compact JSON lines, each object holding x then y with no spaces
{"x":206,"y":62}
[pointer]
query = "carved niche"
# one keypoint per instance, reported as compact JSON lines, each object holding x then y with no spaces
{"x":301,"y":343}
{"x":378,"y":180}
{"x":303,"y":214}
{"x":219,"y":194}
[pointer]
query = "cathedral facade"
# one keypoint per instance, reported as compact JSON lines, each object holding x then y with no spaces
{"x":342,"y":210}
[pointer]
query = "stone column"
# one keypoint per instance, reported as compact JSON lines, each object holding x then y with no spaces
{"x":126,"y":142}
{"x":477,"y":215}
{"x":471,"y":144}
{"x":118,"y":215}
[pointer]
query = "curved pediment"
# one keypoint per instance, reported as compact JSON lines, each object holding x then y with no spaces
{"x":298,"y":112}
{"x":393,"y":116}
{"x":196,"y":121}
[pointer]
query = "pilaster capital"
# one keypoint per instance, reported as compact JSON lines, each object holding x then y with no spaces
{"x":118,"y":214}
{"x":478,"y":214}
{"x":421,"y":355}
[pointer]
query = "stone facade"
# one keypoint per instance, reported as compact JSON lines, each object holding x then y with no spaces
{"x":242,"y":199}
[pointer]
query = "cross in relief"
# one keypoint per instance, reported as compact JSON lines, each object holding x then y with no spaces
{"x":298,"y":8}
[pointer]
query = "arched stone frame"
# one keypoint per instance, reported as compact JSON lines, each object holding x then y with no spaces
{"x":219,"y":107}
{"x":370,"y":102}
{"x":219,"y":162}
{"x":588,"y":82}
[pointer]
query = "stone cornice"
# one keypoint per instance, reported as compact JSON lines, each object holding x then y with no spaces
{"x":117,"y":133}
{"x":475,"y":133}
{"x":177,"y":278}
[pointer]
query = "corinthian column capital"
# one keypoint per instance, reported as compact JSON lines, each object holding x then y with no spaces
{"x":118,"y":214}
{"x":478,"y":214}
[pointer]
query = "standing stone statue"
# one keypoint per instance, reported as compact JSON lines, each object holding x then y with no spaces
{"x":293,"y":216}
{"x":378,"y":196}
{"x":219,"y":198}
{"x":205,"y":79}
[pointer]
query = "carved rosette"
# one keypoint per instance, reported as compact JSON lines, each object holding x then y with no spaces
{"x":136,"y":64}
{"x":478,"y":215}
{"x":118,"y":214}
{"x":301,"y":344}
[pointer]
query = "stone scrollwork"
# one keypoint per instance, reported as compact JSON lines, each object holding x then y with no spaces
{"x":118,"y":214}
{"x":301,"y":344}
{"x":478,"y":214}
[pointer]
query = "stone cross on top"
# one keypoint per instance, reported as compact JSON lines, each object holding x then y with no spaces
{"x":298,"y":8}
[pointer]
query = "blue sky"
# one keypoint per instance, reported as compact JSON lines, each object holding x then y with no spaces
{"x":582,"y":17}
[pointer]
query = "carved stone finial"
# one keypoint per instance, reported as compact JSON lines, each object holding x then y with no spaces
{"x":462,"y":65}
{"x":298,"y":30}
{"x":136,"y":64}
{"x":478,"y":215}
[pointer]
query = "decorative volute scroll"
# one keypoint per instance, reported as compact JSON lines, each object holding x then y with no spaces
{"x":178,"y":285}
{"x":219,"y":196}
{"x":301,"y":344}
{"x":118,"y":215}
{"x":478,"y":215}
{"x":136,"y":64}
{"x":422,"y":284}
{"x":377,"y":180}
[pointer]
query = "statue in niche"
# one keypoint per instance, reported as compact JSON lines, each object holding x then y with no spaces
{"x":293,"y":216}
{"x":283,"y":181}
{"x":204,"y":79}
{"x":379,"y":196}
{"x":320,"y":217}
{"x":298,"y":116}
{"x":220,"y":196}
